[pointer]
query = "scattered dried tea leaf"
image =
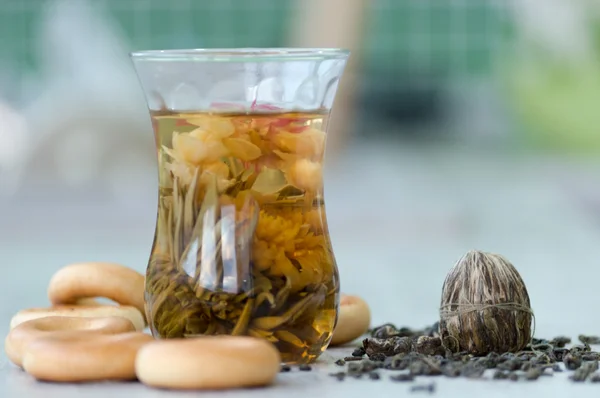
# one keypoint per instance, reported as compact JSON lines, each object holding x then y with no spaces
{"x":589,"y":339}
{"x":388,"y":347}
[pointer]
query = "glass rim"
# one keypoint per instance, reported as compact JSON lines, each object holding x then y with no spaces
{"x":241,"y":54}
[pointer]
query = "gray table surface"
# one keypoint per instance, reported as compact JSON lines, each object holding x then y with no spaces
{"x":399,"y":218}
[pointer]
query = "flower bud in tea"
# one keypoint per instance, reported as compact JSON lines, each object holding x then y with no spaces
{"x":484,"y":306}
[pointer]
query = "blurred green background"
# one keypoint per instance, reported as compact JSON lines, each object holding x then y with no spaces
{"x":448,"y":37}
{"x":422,"y":62}
{"x":410,"y":51}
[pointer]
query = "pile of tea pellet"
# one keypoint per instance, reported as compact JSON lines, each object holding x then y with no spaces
{"x":406,"y":354}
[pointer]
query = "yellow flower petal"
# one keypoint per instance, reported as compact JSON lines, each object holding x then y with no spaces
{"x":201,"y":134}
{"x":306,"y":175}
{"x":205,"y":135}
{"x":285,"y":266}
{"x":171,"y":152}
{"x":214,"y":125}
{"x":222,"y":183}
{"x":283,"y":246}
{"x":310,"y":269}
{"x":308,"y":143}
{"x":196,"y":151}
{"x":215,"y":151}
{"x":288,"y":157}
{"x":189,"y":148}
{"x":182,"y":171}
{"x":220,"y":169}
{"x":242,"y":149}
{"x":315,"y":220}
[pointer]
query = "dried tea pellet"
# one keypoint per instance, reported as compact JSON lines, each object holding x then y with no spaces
{"x":500,"y":375}
{"x":542,"y":347}
{"x":451,"y":370}
{"x":473,"y":370}
{"x":560,"y":341}
{"x":417,"y":352}
{"x":399,"y":362}
{"x":580,"y":349}
{"x":589,"y":339}
{"x":490,"y":361}
{"x":533,"y":374}
{"x":580,"y":375}
{"x":511,"y":364}
{"x":354,"y":367}
{"x":364,"y":366}
{"x":487,"y":363}
{"x":418,"y":368}
{"x":385,"y":331}
{"x":388,"y":347}
{"x":559,"y":353}
{"x":590,"y":356}
{"x":507,"y":356}
{"x":359,"y":352}
{"x":542,"y":359}
{"x":339,"y":375}
{"x":378,"y":356}
{"x":589,"y":367}
{"x":429,"y":346}
{"x":556,"y":368}
{"x":430,"y":388}
{"x":572,"y":361}
{"x":368,"y":365}
{"x":432,"y":367}
{"x":402,"y":377}
{"x":305,"y":367}
{"x":340,"y":362}
{"x":285,"y":368}
{"x":527,"y":355}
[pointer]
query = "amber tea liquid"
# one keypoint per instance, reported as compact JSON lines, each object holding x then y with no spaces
{"x":241,"y":245}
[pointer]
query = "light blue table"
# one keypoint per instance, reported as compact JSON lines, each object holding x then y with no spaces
{"x":398,"y":219}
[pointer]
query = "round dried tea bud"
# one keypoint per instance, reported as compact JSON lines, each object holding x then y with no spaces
{"x":485,"y":306}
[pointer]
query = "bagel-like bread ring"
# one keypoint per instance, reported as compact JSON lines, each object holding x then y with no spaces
{"x":208,"y":362}
{"x":97,"y":279}
{"x":21,"y":336}
{"x":130,"y":313}
{"x":81,"y":357}
{"x":353,"y":320}
{"x":88,"y":301}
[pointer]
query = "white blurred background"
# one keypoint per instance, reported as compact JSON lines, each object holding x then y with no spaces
{"x":460,"y":124}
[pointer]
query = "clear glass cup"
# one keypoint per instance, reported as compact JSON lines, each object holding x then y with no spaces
{"x":241,"y":245}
